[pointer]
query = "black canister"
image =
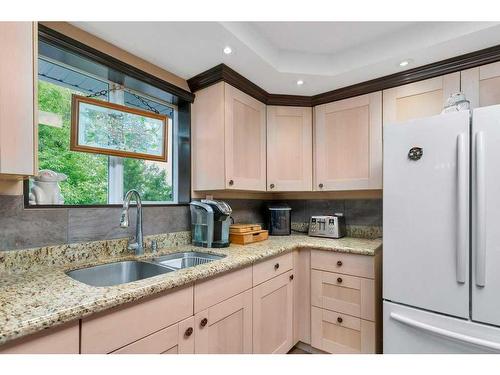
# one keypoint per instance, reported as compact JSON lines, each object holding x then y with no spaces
{"x":279,"y":220}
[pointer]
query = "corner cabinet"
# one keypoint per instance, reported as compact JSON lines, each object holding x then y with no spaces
{"x":18,"y":99}
{"x":229,"y":140}
{"x":289,"y":148}
{"x":481,"y":85}
{"x":348,"y":144}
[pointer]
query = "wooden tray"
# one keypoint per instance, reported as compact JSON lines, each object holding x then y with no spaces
{"x":249,"y":237}
{"x":244,"y":228}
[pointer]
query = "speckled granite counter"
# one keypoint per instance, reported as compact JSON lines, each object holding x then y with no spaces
{"x":43,"y":297}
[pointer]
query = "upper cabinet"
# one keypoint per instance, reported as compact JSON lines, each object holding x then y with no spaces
{"x":289,"y":148}
{"x":348,"y":144}
{"x":481,"y":85}
{"x":229,"y":140}
{"x":419,"y":99}
{"x":18,"y":70}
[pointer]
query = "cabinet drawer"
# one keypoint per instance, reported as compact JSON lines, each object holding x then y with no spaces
{"x":176,"y":339}
{"x":343,"y":293}
{"x":335,"y":332}
{"x":220,"y":288}
{"x":110,"y":330}
{"x":267,"y":269}
{"x":58,"y":340}
{"x":347,"y":264}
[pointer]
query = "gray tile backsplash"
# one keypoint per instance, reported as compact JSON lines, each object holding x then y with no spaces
{"x":25,"y":228}
{"x":22,"y":228}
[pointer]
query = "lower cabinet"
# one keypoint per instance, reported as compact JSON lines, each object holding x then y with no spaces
{"x":225,"y":328}
{"x":176,"y":339}
{"x":335,"y":332}
{"x":273,"y":315}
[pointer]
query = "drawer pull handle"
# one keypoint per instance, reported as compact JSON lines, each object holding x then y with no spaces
{"x":339,"y":280}
{"x":291,"y":277}
{"x":339,"y":319}
{"x":276,"y":266}
{"x":339,"y":263}
{"x":231,"y":182}
{"x":203,"y":322}
{"x":271,"y":186}
{"x":321,"y":186}
{"x":188,"y":332}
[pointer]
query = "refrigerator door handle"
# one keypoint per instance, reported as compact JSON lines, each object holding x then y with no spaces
{"x":462,"y":222}
{"x":480,"y":211}
{"x":446,"y":333}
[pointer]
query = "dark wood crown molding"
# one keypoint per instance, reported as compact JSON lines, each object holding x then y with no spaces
{"x":224,"y":73}
{"x":58,"y":39}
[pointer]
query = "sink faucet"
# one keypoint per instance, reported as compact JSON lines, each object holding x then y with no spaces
{"x":124,"y":222}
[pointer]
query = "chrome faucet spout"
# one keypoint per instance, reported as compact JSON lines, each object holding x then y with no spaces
{"x":138,"y":244}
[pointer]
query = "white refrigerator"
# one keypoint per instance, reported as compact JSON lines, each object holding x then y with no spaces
{"x":441,"y":220}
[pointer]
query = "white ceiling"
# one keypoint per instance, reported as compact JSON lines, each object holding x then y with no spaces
{"x":274,"y":55}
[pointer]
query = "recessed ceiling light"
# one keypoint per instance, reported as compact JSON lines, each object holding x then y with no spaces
{"x":228,"y":50}
{"x":300,"y":82}
{"x":405,"y":63}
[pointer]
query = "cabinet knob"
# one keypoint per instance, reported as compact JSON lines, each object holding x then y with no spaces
{"x":231,"y":182}
{"x":276,"y":266}
{"x":339,"y":280}
{"x":188,"y":332}
{"x":339,"y":319}
{"x":291,"y":277}
{"x":203,"y":322}
{"x":339,"y":263}
{"x":271,"y":186}
{"x":321,"y":186}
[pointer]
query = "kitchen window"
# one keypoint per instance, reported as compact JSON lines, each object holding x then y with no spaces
{"x":90,"y":179}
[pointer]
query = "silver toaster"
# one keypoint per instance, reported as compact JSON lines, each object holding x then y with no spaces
{"x":327,"y":226}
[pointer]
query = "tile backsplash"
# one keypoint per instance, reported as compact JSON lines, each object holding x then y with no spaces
{"x":22,"y":228}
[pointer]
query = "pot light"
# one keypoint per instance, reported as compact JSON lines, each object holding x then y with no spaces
{"x":405,"y":63}
{"x":228,"y":50}
{"x":300,"y":82}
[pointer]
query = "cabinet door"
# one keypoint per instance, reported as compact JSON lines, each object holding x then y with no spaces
{"x":481,"y":85}
{"x":18,"y":98}
{"x":225,"y":328}
{"x":245,"y":141}
{"x":348,"y":144}
{"x":176,"y":339}
{"x":335,"y":332}
{"x":289,"y":148}
{"x":420,"y":99}
{"x":273,"y":315}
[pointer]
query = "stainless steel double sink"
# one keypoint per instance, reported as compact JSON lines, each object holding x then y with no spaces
{"x":133,"y":270}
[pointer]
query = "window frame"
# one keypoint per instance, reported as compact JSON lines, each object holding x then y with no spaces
{"x":181,"y":102}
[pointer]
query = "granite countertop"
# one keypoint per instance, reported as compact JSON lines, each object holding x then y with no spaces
{"x":37,"y":299}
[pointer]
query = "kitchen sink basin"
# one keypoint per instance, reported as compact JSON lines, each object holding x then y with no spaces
{"x":186,"y":259}
{"x":117,"y":273}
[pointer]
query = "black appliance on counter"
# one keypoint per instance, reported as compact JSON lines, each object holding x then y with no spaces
{"x":279,"y":221}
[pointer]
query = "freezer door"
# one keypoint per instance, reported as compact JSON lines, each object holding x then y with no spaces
{"x":409,"y":330}
{"x":426,"y":213}
{"x":486,"y":215}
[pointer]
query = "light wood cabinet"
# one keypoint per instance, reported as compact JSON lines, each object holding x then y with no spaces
{"x":348,"y":144}
{"x":289,"y":148}
{"x":18,"y":98}
{"x":273,"y":315}
{"x":339,"y":333}
{"x":346,"y":302}
{"x":419,"y":99}
{"x":64,"y":339}
{"x":481,"y":85}
{"x":176,"y":339}
{"x":225,"y":328}
{"x":110,"y":330}
{"x":229,"y":140}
